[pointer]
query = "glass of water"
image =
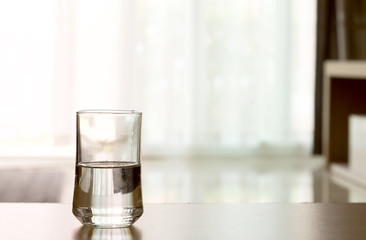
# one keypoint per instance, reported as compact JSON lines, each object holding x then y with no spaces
{"x":107,"y":191}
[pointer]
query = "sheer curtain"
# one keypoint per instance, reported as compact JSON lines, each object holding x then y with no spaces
{"x":211,"y":76}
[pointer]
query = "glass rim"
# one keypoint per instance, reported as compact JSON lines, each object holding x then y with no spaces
{"x":108,"y":111}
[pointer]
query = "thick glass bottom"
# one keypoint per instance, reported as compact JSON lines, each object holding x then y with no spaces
{"x":107,"y":218}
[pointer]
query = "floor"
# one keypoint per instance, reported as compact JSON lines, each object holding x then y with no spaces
{"x":268,"y":179}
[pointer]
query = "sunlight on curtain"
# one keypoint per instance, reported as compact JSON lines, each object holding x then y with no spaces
{"x":211,"y":76}
{"x":231,"y":76}
{"x":26,"y":70}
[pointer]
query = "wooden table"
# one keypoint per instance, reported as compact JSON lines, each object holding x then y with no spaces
{"x":193,"y":221}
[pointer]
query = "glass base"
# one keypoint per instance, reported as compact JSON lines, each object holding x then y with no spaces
{"x":107,"y":219}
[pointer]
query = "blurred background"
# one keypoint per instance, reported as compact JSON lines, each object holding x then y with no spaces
{"x":227,"y":90}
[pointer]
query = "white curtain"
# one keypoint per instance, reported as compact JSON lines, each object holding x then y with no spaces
{"x":211,"y":76}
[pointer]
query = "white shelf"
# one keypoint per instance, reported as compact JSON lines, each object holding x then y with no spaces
{"x":343,"y":171}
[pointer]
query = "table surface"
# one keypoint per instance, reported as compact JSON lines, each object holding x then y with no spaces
{"x":193,"y":221}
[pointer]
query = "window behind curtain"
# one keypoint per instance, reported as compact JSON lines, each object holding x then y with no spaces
{"x":210,"y":75}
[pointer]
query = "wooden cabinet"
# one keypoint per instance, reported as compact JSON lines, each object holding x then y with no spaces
{"x":344,"y":93}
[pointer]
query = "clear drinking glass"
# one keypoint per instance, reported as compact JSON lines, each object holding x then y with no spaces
{"x":107,"y":190}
